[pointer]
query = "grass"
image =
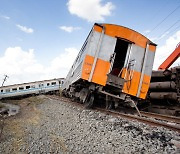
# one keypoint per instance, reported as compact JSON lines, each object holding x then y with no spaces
{"x":30,"y":115}
{"x":2,"y":105}
{"x":29,"y":100}
{"x":35,"y":100}
{"x":15,"y":102}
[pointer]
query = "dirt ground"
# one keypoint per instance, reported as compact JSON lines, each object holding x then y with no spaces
{"x":13,"y":129}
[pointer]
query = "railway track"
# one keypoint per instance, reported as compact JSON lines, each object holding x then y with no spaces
{"x":161,"y":117}
{"x":152,"y":122}
{"x":168,"y":122}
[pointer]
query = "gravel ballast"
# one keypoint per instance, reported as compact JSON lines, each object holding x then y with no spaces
{"x":54,"y":126}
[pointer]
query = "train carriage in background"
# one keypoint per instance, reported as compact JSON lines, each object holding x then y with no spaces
{"x":115,"y":62}
{"x":31,"y":88}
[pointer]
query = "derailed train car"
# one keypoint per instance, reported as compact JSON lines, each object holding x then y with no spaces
{"x":31,"y":88}
{"x":114,"y":62}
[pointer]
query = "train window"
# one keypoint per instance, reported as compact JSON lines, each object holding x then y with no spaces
{"x":2,"y":90}
{"x":21,"y":88}
{"x":62,"y":82}
{"x":53,"y":83}
{"x":27,"y":87}
{"x":48,"y":84}
{"x":32,"y":86}
{"x":41,"y":85}
{"x":14,"y":89}
{"x":7,"y":90}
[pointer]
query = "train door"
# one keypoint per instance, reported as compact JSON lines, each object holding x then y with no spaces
{"x":126,"y":66}
{"x":119,"y":57}
{"x":118,"y":61}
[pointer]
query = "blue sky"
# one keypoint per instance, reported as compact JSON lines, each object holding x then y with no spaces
{"x":48,"y":31}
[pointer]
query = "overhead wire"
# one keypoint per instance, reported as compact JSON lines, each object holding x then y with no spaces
{"x":167,"y":30}
{"x":165,"y":18}
{"x":156,"y":13}
{"x":178,"y":27}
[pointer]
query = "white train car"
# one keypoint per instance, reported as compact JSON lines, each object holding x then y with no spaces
{"x":37,"y":87}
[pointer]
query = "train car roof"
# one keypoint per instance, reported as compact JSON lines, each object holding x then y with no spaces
{"x":125,"y":33}
{"x":32,"y":82}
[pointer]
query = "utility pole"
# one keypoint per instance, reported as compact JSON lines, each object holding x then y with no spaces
{"x":5,"y":78}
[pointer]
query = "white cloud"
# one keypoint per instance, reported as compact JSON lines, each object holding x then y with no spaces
{"x":90,"y":10}
{"x":5,"y":17}
{"x":25,"y":29}
{"x":165,"y":50}
{"x":60,"y":65}
{"x":22,"y":66}
{"x":69,"y":28}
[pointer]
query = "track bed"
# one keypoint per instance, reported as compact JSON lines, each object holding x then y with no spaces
{"x":49,"y":124}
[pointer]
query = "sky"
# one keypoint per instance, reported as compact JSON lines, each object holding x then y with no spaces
{"x":39,"y":39}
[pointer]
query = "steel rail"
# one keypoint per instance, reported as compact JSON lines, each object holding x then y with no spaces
{"x":142,"y":119}
{"x":161,"y":117}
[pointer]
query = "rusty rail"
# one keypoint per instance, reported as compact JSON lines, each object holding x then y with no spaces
{"x":142,"y":119}
{"x":161,"y":117}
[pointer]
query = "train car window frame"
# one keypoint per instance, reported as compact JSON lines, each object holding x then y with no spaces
{"x":41,"y":85}
{"x":14,"y":89}
{"x":28,"y":87}
{"x":33,"y":86}
{"x":21,"y":88}
{"x":84,"y":46}
{"x":53,"y":83}
{"x":80,"y":55}
{"x":7,"y":90}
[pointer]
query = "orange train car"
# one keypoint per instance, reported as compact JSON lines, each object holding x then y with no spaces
{"x":115,"y":62}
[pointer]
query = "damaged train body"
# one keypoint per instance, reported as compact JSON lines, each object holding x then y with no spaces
{"x":115,"y":62}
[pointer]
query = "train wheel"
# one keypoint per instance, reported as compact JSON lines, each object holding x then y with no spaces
{"x":83,"y":95}
{"x":109,"y":103}
{"x":89,"y":101}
